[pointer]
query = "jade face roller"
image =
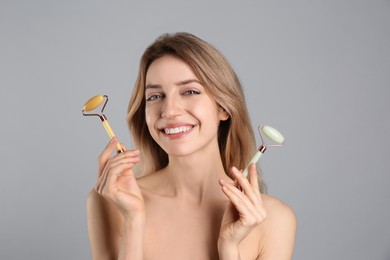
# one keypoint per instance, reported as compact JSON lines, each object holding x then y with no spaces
{"x":274,"y":135}
{"x":92,"y":104}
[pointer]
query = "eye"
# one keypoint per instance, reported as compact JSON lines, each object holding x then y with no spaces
{"x":191,"y":92}
{"x":154,"y":97}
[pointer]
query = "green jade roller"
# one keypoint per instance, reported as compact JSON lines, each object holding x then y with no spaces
{"x":272,"y":134}
{"x":94,"y":103}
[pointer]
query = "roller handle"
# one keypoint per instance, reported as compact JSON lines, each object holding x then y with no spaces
{"x":111,"y":133}
{"x":254,"y":160}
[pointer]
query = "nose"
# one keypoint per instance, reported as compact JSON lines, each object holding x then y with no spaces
{"x":171,"y":108}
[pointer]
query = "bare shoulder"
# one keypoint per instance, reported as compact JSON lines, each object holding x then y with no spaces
{"x":278,"y":229}
{"x":277,"y":210}
{"x":280,"y":220}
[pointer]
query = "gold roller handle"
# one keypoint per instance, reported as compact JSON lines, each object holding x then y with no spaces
{"x":110,"y":132}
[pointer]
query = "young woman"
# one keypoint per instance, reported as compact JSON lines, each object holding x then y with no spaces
{"x":180,"y":195}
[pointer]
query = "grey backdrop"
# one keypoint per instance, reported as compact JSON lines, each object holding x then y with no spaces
{"x":317,"y":70}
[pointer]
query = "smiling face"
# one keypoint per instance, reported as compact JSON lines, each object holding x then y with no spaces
{"x":182,"y":118}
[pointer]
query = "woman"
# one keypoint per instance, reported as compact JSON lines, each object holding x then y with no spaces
{"x":188,"y":118}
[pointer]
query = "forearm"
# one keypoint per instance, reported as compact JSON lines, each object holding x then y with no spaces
{"x":132,"y":242}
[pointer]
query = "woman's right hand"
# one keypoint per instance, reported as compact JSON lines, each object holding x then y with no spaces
{"x":117,"y":182}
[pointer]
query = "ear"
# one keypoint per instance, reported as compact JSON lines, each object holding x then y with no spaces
{"x":223,"y":115}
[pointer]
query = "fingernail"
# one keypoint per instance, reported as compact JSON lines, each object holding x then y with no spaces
{"x":113,"y":140}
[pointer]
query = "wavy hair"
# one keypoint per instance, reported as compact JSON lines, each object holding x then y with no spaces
{"x":236,"y":139}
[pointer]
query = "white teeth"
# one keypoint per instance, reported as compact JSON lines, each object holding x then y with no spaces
{"x":176,"y":130}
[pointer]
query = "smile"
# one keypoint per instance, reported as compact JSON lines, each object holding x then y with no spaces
{"x":177,"y":130}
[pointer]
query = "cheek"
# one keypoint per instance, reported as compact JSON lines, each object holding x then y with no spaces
{"x":150,"y":122}
{"x":208,"y":112}
{"x":149,"y":118}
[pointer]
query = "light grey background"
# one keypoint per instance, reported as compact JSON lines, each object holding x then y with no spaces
{"x":317,"y":70}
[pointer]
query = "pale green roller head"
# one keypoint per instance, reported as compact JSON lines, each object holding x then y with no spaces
{"x":272,"y":134}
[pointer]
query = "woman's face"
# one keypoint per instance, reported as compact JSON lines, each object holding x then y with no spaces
{"x":182,"y":118}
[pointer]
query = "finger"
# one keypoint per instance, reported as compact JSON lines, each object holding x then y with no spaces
{"x":107,"y":152}
{"x":124,"y":155}
{"x":123,"y":174}
{"x":122,"y":164}
{"x":128,"y":160}
{"x":130,"y":163}
{"x":254,"y":182}
{"x":101,"y":180}
{"x":253,"y":179}
{"x":127,"y":156}
{"x":249,"y":213}
{"x":238,"y":198}
{"x":109,"y":177}
{"x":236,"y":194}
{"x":245,"y":185}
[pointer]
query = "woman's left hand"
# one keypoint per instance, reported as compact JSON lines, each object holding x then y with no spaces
{"x":244,"y":212}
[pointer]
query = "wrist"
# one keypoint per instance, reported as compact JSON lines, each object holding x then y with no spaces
{"x":134,"y":221}
{"x":228,"y":251}
{"x":132,"y":238}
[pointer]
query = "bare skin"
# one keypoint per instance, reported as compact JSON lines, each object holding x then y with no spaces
{"x":189,"y":229}
{"x":191,"y":209}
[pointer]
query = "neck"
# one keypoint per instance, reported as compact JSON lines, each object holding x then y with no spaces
{"x":195,"y":177}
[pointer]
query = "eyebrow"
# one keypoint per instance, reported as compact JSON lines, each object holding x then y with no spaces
{"x":180,"y":83}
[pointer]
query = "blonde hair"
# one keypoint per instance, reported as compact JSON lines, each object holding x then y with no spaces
{"x":236,"y":139}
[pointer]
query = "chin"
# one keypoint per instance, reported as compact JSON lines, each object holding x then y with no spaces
{"x":178,"y":152}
